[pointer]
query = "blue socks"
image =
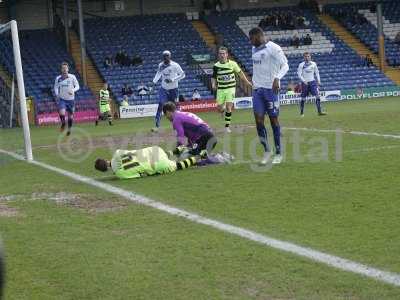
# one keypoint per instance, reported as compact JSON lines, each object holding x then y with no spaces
{"x":262,"y":134}
{"x":302,"y":106}
{"x":318,"y":103}
{"x":277,"y":137}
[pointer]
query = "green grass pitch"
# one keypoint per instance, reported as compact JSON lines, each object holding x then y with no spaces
{"x":335,"y":192}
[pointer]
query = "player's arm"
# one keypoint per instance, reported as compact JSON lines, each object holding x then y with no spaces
{"x":214,"y":78}
{"x":56,"y":88}
{"x":180,"y":133}
{"x":300,"y":73}
{"x":317,"y":74}
{"x":157,"y":76}
{"x":284,"y":67}
{"x":241,"y":74}
{"x":179,"y":73}
{"x":76,"y":84}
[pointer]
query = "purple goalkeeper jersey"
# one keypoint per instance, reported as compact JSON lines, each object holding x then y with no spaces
{"x":190,"y":126}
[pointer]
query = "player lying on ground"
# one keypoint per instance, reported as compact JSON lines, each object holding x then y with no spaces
{"x":104,"y":106}
{"x":153,"y":160}
{"x":188,"y":126}
{"x":144,"y":162}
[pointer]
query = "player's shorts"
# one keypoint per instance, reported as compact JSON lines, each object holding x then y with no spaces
{"x":167,"y":95}
{"x":105,"y":108}
{"x":205,"y":142}
{"x":68,"y":105}
{"x":309,"y":88}
{"x":225,"y":95}
{"x":265,"y":101}
{"x":163,"y":164}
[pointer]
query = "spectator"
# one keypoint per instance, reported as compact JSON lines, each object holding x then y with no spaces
{"x":119,"y":57}
{"x":124,"y":101}
{"x":218,"y":6}
{"x":297,"y":88}
{"x":307,"y":40}
{"x":207,"y":6}
{"x":142,"y":90}
{"x":196,"y":95}
{"x":368,"y":61}
{"x":137,"y":60}
{"x":127,"y":91}
{"x":295,"y":41}
{"x":290,"y":86}
{"x":181,"y":98}
{"x":107,"y":62}
{"x":397,"y":38}
{"x":263,"y":23}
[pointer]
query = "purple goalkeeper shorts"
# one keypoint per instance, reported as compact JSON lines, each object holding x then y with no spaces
{"x":265,"y":101}
{"x":309,"y":88}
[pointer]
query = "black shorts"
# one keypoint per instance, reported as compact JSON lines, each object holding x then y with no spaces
{"x":205,"y":142}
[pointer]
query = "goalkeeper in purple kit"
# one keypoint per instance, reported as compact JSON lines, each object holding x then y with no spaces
{"x":191,"y":131}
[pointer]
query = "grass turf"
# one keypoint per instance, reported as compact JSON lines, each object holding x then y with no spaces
{"x":347,"y":208}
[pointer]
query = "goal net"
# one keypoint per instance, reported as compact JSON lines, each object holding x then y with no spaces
{"x":14,"y":123}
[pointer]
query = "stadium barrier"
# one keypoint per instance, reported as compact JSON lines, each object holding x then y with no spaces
{"x":79,"y":116}
{"x":198,"y":106}
{"x":138,"y":111}
{"x":370,"y":93}
{"x":284,"y":99}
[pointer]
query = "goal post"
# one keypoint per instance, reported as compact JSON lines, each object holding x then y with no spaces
{"x":12,"y":26}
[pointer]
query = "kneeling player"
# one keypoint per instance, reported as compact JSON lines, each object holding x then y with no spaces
{"x":104,"y":105}
{"x":149,"y":161}
{"x":200,"y":138}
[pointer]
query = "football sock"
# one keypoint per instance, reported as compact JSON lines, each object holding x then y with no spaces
{"x":186,"y":163}
{"x":262,"y":134}
{"x":228,"y":118}
{"x":318,"y":103}
{"x":277,"y":137}
{"x":302,"y":107}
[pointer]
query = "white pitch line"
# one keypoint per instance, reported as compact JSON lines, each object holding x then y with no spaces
{"x":314,"y":255}
{"x":393,"y":136}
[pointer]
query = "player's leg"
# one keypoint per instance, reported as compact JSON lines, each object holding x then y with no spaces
{"x":221,"y":101}
{"x":162,"y":98}
{"x":109,"y":117}
{"x":315,"y":92}
{"x":304,"y":94}
{"x":259,"y":109}
{"x":204,"y":145}
{"x":61,"y":112}
{"x":70,"y":110}
{"x":230,"y":95}
{"x":273,"y":114}
{"x":186,"y":163}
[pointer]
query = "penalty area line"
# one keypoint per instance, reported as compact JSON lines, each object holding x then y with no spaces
{"x":314,"y":255}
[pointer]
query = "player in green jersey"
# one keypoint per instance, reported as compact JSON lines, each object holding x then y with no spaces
{"x":224,"y":82}
{"x":148,"y":161}
{"x":104,"y":105}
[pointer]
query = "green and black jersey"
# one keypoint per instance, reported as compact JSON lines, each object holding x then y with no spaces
{"x":224,"y":74}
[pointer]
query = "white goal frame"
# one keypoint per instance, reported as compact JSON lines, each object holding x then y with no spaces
{"x":12,"y":25}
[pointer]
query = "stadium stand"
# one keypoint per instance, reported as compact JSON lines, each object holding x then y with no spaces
{"x":5,"y":105}
{"x":147,"y":37}
{"x":41,"y":65}
{"x":361,"y":20}
{"x":340,"y":66}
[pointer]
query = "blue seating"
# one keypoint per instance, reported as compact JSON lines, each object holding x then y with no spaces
{"x":340,"y":66}
{"x":147,"y":37}
{"x":42,"y":54}
{"x":349,"y":14}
